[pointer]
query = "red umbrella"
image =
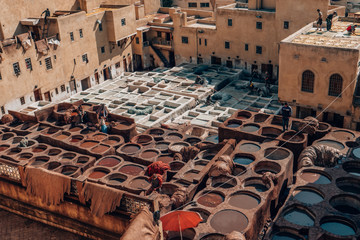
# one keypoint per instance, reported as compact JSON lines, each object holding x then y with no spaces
{"x":180,"y":220}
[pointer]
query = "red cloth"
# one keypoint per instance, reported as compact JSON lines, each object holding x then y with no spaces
{"x":157,"y":167}
{"x":349,"y":28}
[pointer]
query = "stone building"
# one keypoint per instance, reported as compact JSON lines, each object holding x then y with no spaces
{"x":319,"y":74}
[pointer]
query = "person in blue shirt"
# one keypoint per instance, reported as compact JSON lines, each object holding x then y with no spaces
{"x":286,"y":114}
{"x":103,"y":127}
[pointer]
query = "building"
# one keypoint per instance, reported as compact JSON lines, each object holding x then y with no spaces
{"x":319,"y":73}
{"x":80,"y":44}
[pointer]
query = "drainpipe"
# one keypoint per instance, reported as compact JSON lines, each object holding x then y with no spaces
{"x":197,"y":46}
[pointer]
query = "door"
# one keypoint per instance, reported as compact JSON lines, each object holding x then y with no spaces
{"x":215,"y":60}
{"x":72,"y":86}
{"x":229,"y":64}
{"x":254,"y":67}
{"x":85,"y":84}
{"x":97,"y":78}
{"x":37,"y":95}
{"x":138,"y":63}
{"x":47,"y":96}
{"x":106,"y":73}
{"x":125,"y":65}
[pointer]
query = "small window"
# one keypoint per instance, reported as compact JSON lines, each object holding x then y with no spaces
{"x":0,"y":76}
{"x":192,"y":4}
{"x":54,"y":57}
{"x":137,"y":40}
{"x":16,"y":67}
{"x":258,"y":49}
{"x":117,"y":65}
{"x":102,"y":49}
{"x":199,"y":41}
{"x":22,"y":100}
{"x":258,"y":25}
{"x":72,"y":36}
{"x":227,"y":44}
{"x":335,"y":85}
{"x":2,"y":109}
{"x":185,"y":40}
{"x":56,"y":91}
{"x":123,"y":22}
{"x":307,"y":81}
{"x":48,"y":63}
{"x":40,"y":63}
{"x":286,"y":25}
{"x":62,"y":87}
{"x":100,"y":27}
{"x":85,"y":58}
{"x":28,"y":63}
{"x":203,"y":5}
{"x":81,"y":33}
{"x":246,"y":47}
{"x":159,"y":34}
{"x":205,"y":42}
{"x":229,"y":22}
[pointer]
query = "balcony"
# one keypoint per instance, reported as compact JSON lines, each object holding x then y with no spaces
{"x":162,"y":43}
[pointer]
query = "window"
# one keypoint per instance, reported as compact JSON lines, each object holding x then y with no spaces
{"x":204,"y":4}
{"x":258,"y":25}
{"x":40,"y":63}
{"x":72,"y":36}
{"x":335,"y":85}
{"x":229,"y":22}
{"x":199,"y":41}
{"x":159,"y":34}
{"x":102,"y":49}
{"x":0,"y":76}
{"x":258,"y":49}
{"x":286,"y":25}
{"x":28,"y":63}
{"x":246,"y":47}
{"x":100,"y":27}
{"x":85,"y":58}
{"x":48,"y":63}
{"x":62,"y":87}
{"x":16,"y":67}
{"x":2,"y":109}
{"x":54,"y":57}
{"x":117,"y":65}
{"x":56,"y":91}
{"x":137,"y":40}
{"x":307,"y":81}
{"x":22,"y":100}
{"x":227,"y":44}
{"x":205,"y":42}
{"x":81,"y":33}
{"x":192,"y":4}
{"x":185,"y":40}
{"x":123,"y":22}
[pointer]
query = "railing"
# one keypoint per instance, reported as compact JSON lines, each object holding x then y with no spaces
{"x":161,"y":42}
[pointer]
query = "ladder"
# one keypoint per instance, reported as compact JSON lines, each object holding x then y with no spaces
{"x":45,"y":29}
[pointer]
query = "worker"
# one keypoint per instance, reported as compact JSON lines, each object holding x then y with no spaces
{"x":286,"y":113}
{"x":267,"y":80}
{"x":351,"y":28}
{"x":199,"y":80}
{"x":319,"y":20}
{"x":329,"y":20}
{"x":47,"y":14}
{"x":156,"y":181}
{"x":24,"y":142}
{"x":103,"y":127}
{"x":102,"y":111}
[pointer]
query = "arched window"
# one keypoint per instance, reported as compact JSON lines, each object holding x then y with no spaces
{"x":335,"y":85}
{"x":307,"y":83}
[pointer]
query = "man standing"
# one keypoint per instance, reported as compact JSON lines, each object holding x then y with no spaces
{"x":286,"y":113}
{"x":319,"y":20}
{"x":329,"y":20}
{"x":47,"y":14}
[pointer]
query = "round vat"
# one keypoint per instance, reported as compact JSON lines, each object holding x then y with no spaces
{"x":82,"y":160}
{"x":308,"y":196}
{"x":346,"y":204}
{"x":156,"y":132}
{"x":173,"y":136}
{"x":177,"y":146}
{"x":150,"y":153}
{"x":249,"y":147}
{"x":139,"y":183}
{"x":3,"y":147}
{"x":299,"y":216}
{"x":130,"y":148}
{"x":243,"y":159}
{"x":352,"y":168}
{"x":113,"y":140}
{"x":233,"y":123}
{"x":162,"y":146}
{"x":293,"y":136}
{"x":276,"y":153}
{"x":316,"y":177}
{"x":40,"y":161}
{"x":228,"y":220}
{"x":16,"y":140}
{"x":244,"y":200}
{"x":200,"y":164}
{"x":356,"y":153}
{"x":176,"y":165}
{"x":131,"y":169}
{"x":101,"y":148}
{"x":331,"y":143}
{"x":324,"y":127}
{"x":54,"y":151}
{"x":348,"y":184}
{"x":223,"y":182}
{"x":25,"y":156}
{"x":50,"y":131}
{"x":336,"y":226}
{"x":86,"y":131}
{"x":250,"y":128}
{"x":142,"y":139}
{"x":67,"y":156}
{"x":88,"y":144}
{"x":62,"y":136}
{"x":98,"y":173}
{"x":259,"y":118}
{"x":98,"y":136}
{"x":270,"y":132}
{"x":6,"y":136}
{"x":207,"y":154}
{"x":116,"y":179}
{"x":109,"y":162}
{"x":69,"y":170}
{"x":76,"y":129}
{"x":76,"y":138}
{"x":192,"y":140}
{"x":39,"y":148}
{"x":266,"y":166}
{"x":165,"y":158}
{"x":53,"y":165}
{"x":243,"y":115}
{"x":238,"y":170}
{"x":13,"y":151}
{"x":342,"y":134}
{"x":256,"y":184}
{"x":211,"y":199}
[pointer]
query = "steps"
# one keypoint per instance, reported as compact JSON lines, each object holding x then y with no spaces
{"x":161,"y":56}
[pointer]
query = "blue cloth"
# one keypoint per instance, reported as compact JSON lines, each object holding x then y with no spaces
{"x":104,"y":129}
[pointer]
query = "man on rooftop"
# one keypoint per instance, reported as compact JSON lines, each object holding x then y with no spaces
{"x":319,"y":20}
{"x":329,"y":20}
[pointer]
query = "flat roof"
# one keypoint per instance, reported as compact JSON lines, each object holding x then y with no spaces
{"x":202,"y":25}
{"x":337,"y":37}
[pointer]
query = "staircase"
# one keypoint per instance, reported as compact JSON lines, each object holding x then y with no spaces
{"x":161,"y":56}
{"x":45,"y":30}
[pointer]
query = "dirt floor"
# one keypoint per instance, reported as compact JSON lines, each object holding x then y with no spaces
{"x":14,"y":227}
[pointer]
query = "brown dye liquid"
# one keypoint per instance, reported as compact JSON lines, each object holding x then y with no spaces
{"x":130,"y":149}
{"x":227,"y":221}
{"x":149,"y":154}
{"x":88,"y":144}
{"x":100,"y":149}
{"x":3,"y":148}
{"x":139,"y":183}
{"x":75,"y":140}
{"x":165,"y":159}
{"x":109,"y":162}
{"x":99,"y":137}
{"x":241,"y":117}
{"x":75,"y":129}
{"x":244,"y":201}
{"x":97,"y":174}
{"x":61,"y":137}
{"x":35,"y":150}
{"x":131,"y":170}
{"x":110,"y":142}
{"x":293,"y":138}
{"x":211,"y":199}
